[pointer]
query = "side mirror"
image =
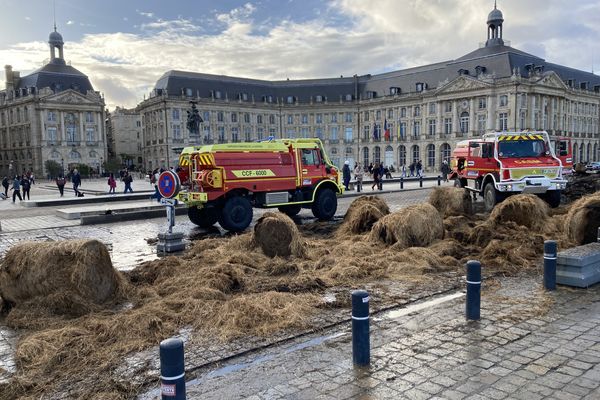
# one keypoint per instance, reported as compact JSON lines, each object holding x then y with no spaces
{"x":328,"y":170}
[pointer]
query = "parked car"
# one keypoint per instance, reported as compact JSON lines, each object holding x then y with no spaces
{"x":594,"y":166}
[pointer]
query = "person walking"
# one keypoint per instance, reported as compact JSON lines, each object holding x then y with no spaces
{"x":60,"y":184}
{"x":25,"y":186}
{"x":32,"y":179}
{"x":5,"y":185}
{"x":403,"y":168}
{"x":381,"y":175}
{"x":376,"y":177}
{"x":445,"y":170}
{"x":358,"y":175}
{"x":346,"y":174}
{"x":419,"y":169}
{"x":112,"y":183}
{"x":127,"y":179}
{"x":16,"y":187}
{"x":76,"y":180}
{"x":411,"y":167}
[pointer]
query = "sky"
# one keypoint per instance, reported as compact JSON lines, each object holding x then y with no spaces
{"x":124,"y":46}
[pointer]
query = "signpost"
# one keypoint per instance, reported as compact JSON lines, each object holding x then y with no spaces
{"x":169,"y":186}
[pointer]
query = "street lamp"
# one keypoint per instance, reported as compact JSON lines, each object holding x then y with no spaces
{"x":100,"y":169}
{"x":62,"y":162}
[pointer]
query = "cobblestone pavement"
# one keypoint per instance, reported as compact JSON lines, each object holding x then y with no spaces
{"x":528,"y":345}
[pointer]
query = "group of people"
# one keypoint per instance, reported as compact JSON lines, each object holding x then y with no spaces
{"x":21,"y":185}
{"x":126,"y":178}
{"x":61,"y":181}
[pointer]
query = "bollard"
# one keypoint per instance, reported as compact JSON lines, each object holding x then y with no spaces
{"x":550,"y":264}
{"x":420,"y":181}
{"x":439,"y":180}
{"x":361,"y":351}
{"x":401,"y":183}
{"x":172,"y":369}
{"x":473,"y":290}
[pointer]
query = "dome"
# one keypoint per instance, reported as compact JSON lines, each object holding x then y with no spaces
{"x":55,"y":38}
{"x":495,"y":15}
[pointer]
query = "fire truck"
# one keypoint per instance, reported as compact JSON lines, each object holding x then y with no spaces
{"x":223,"y":182}
{"x":564,"y":151}
{"x":498,"y":165}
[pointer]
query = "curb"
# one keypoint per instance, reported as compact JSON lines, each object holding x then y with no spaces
{"x":128,"y":216}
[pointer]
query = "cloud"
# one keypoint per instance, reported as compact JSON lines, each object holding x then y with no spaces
{"x":27,"y":18}
{"x":347,"y":37}
{"x":70,"y":22}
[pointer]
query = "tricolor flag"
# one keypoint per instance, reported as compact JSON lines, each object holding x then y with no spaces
{"x":386,"y":130}
{"x":375,"y":132}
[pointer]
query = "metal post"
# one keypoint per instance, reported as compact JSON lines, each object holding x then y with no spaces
{"x":550,"y":264}
{"x":473,"y":290}
{"x":439,"y":180}
{"x":420,"y":181}
{"x":599,"y":234}
{"x":361,"y":352}
{"x":172,"y":369}
{"x":401,"y":183}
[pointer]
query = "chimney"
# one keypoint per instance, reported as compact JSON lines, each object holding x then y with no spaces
{"x":9,"y":78}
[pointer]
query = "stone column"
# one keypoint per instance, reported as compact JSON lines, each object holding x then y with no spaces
{"x":491,"y":112}
{"x":472,"y":120}
{"x":455,"y":117}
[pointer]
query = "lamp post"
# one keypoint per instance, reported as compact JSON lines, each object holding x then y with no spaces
{"x":100,"y":169}
{"x":62,"y":162}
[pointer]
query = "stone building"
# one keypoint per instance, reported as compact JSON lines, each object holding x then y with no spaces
{"x":51,"y":114}
{"x":126,"y":136}
{"x":394,"y":118}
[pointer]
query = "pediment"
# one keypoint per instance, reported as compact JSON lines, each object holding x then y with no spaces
{"x":69,"y":97}
{"x":551,"y":80}
{"x":462,"y":84}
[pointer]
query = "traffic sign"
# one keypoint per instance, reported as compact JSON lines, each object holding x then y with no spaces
{"x":168,"y":184}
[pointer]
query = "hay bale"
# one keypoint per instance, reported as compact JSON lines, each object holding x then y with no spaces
{"x":278,"y":236}
{"x":451,"y":201}
{"x":523,"y":209}
{"x":361,"y":219}
{"x":414,"y":226}
{"x":583,"y":219}
{"x":375,"y":201}
{"x":82,"y":267}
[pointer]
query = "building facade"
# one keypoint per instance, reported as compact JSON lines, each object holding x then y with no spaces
{"x":394,"y":118}
{"x":126,"y":136}
{"x":51,"y":114}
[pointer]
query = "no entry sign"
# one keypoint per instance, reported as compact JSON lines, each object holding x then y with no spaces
{"x":168,"y":184}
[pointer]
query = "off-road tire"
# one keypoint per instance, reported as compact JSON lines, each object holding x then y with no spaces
{"x":204,"y":217}
{"x":490,"y":196}
{"x":236,"y":214}
{"x":291,"y":210}
{"x":325,"y":204}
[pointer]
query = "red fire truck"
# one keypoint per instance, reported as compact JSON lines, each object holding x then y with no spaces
{"x":498,"y":165}
{"x":564,"y":151}
{"x":222,"y":182}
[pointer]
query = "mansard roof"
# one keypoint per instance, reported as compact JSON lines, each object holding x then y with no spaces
{"x":57,"y":76}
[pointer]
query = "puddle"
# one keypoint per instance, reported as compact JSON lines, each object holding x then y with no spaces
{"x":418,"y":307}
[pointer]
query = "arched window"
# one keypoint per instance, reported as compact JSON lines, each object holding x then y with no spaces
{"x":431,"y":155}
{"x":575,"y":153}
{"x":416,"y":153}
{"x":389,"y":156}
{"x":445,"y":152}
{"x":588,"y":157}
{"x":595,"y":155}
{"x":365,"y":156}
{"x":401,"y":155}
{"x":74,"y":155}
{"x":93,"y":154}
{"x":581,"y":151}
{"x":464,"y":122}
{"x":377,"y":154}
{"x":334,"y":151}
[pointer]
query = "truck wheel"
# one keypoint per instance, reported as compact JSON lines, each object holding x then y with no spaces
{"x":236,"y":214}
{"x":552,"y":197}
{"x":291,"y":210}
{"x":490,"y":196}
{"x":325,"y":205}
{"x":204,"y":217}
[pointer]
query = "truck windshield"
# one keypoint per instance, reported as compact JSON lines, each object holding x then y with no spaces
{"x":521,"y":148}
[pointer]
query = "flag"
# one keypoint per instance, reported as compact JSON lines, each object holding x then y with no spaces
{"x":375,"y":131}
{"x":386,"y":130}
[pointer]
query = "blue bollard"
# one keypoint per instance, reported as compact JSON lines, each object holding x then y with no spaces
{"x":361,"y":348}
{"x":401,"y":183}
{"x":420,"y":181}
{"x":473,"y":290}
{"x":439,"y":180}
{"x":550,"y":264}
{"x":172,"y":369}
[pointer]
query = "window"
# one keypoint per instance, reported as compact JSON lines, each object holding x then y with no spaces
{"x":247,"y":134}
{"x":366,"y":131}
{"x":447,"y":126}
{"x":74,"y":155}
{"x":290,"y":119}
{"x":51,"y":116}
{"x":432,"y":108}
{"x":138,"y":124}
{"x":334,"y":133}
{"x":90,"y":135}
{"x":365,"y":157}
{"x":206,"y":116}
{"x":310,"y":157}
{"x":464,"y":122}
{"x":260,"y":132}
{"x":417,"y":111}
{"x":319,"y":132}
{"x":348,"y":97}
{"x":416,"y":154}
{"x":290,"y":99}
{"x":377,"y":154}
{"x":221,"y":132}
{"x":403,"y":112}
{"x":272,"y":132}
{"x":71,"y":133}
{"x":305,"y":118}
{"x":431,"y":130}
{"x":234,"y":117}
{"x":348,"y":117}
{"x":448,"y":107}
{"x":482,"y":103}
{"x":259,"y":119}
{"x":51,"y":134}
{"x":522,"y":117}
{"x":334,"y":117}
{"x":522,"y":100}
{"x":446,"y":152}
{"x":319,"y":118}
{"x":390,"y":113}
{"x":366,"y":117}
{"x":176,"y":131}
{"x":348,"y":134}
{"x":235,"y":135}
{"x":503,"y":121}
{"x":430,"y":155}
{"x":402,"y":130}
{"x":319,"y":98}
{"x":503,"y":100}
{"x":481,"y":123}
{"x":174,"y":114}
{"x":304,"y":133}
{"x":271,"y":119}
{"x":220,"y":116}
{"x":378,"y":115}
{"x":401,"y":155}
{"x":189,"y":92}
{"x":247,"y":118}
{"x":417,"y":129}
{"x":291,"y":133}
{"x":89,"y":117}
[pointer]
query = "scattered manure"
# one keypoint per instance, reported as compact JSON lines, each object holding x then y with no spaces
{"x":418,"y":225}
{"x":277,"y":235}
{"x":583,"y":220}
{"x":451,"y":201}
{"x":524,"y":209}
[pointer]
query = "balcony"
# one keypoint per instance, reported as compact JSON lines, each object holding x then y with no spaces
{"x":73,"y":143}
{"x":334,"y":141}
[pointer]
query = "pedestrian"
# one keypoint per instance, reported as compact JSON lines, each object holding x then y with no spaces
{"x":346,"y":174}
{"x":403,"y":171}
{"x":32,"y":179}
{"x":76,"y":180}
{"x":376,"y":177}
{"x":381,"y":175}
{"x":25,"y":186}
{"x":411,"y":167}
{"x":388,"y":173}
{"x":112,"y":183}
{"x":370,"y":168}
{"x":5,"y":185}
{"x":445,"y":170}
{"x":358,"y":175}
{"x":419,"y":169}
{"x":60,"y":184}
{"x":16,"y":187}
{"x":127,"y":179}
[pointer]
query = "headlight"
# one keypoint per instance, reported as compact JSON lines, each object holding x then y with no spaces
{"x":509,"y":187}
